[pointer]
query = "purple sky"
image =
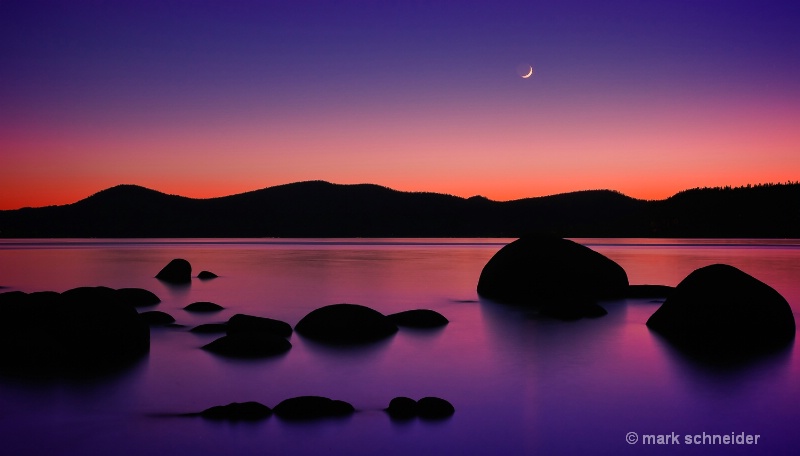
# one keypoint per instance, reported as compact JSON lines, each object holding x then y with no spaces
{"x":211,"y":98}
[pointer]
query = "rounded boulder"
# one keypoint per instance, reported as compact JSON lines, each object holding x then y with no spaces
{"x":721,"y":311}
{"x":547,"y":272}
{"x":345,"y":324}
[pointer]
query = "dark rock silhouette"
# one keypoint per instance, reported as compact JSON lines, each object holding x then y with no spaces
{"x":138,"y":297}
{"x":402,"y":408}
{"x":430,"y":408}
{"x":157,"y":318}
{"x":203,"y":307}
{"x":206,"y":275}
{"x":83,"y":330}
{"x":561,"y":277}
{"x":721,"y":312}
{"x":177,"y":271}
{"x":434,"y":408}
{"x":345,"y":324}
{"x":210,"y":328}
{"x":238,"y":411}
{"x":249,"y":345}
{"x":312,"y":407}
{"x":418,"y":318}
{"x":241,"y":323}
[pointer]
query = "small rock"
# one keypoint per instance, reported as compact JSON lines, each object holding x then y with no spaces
{"x":238,"y":411}
{"x":203,"y":306}
{"x":249,"y":345}
{"x":206,"y":275}
{"x":402,"y":408}
{"x":178,"y":271}
{"x":428,"y":408}
{"x":419,"y":318}
{"x":434,"y":408}
{"x":312,"y":407}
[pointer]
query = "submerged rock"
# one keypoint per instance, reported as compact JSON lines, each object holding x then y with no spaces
{"x":176,"y":271}
{"x":203,"y":306}
{"x":419,"y":318}
{"x":238,"y":411}
{"x":312,"y":407}
{"x":157,"y":318}
{"x":249,"y":345}
{"x":210,"y":328}
{"x":402,"y":408}
{"x":83,"y":330}
{"x":430,"y":408}
{"x":206,"y":275}
{"x":563,"y":278}
{"x":720,"y":311}
{"x":434,"y":408}
{"x":241,"y":323}
{"x":345,"y":324}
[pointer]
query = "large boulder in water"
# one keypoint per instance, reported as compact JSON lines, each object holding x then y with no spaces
{"x":563,"y":278}
{"x":720,"y":311}
{"x":345,"y":324}
{"x":176,"y":271}
{"x":83,"y":330}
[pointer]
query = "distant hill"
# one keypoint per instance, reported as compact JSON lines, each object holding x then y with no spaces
{"x":322,"y":209}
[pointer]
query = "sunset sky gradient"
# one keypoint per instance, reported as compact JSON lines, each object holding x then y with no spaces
{"x":210,"y":98}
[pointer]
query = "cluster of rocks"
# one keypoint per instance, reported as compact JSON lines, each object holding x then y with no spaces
{"x":179,"y":271}
{"x":717,"y":311}
{"x":248,"y":336}
{"x":305,"y":408}
{"x":427,"y":408}
{"x":82,"y":330}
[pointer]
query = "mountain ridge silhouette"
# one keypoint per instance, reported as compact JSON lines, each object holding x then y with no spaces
{"x":323,"y":209}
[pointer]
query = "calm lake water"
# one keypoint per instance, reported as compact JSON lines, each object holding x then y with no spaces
{"x":520,"y":385}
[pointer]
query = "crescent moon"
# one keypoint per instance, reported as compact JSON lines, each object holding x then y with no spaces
{"x":530,"y":73}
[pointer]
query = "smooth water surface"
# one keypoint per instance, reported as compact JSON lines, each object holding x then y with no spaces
{"x":520,"y":384}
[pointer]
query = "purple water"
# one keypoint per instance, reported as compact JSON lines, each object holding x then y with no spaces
{"x":520,"y":385}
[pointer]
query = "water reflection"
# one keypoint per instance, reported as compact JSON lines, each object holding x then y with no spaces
{"x":333,"y":353}
{"x":724,"y":376}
